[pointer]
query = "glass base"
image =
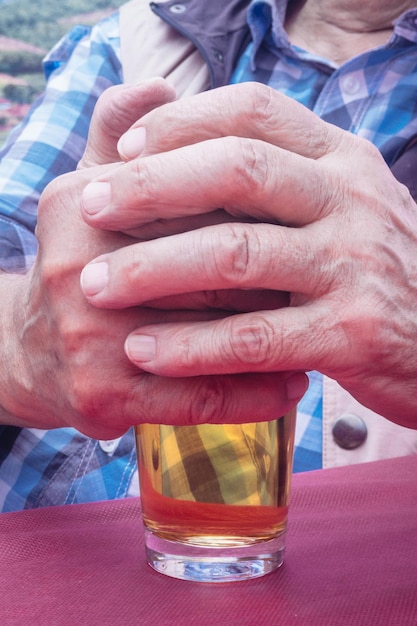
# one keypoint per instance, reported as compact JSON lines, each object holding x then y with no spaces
{"x":201,"y":563}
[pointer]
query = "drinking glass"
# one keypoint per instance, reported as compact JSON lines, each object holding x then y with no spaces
{"x":215,"y":497}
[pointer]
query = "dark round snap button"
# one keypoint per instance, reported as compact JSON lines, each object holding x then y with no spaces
{"x":349,"y":431}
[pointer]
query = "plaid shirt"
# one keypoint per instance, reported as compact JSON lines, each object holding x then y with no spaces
{"x":221,"y":464}
{"x":372,"y":95}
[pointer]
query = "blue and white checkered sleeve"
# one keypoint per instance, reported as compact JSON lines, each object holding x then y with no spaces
{"x":52,"y":138}
{"x":308,"y":433}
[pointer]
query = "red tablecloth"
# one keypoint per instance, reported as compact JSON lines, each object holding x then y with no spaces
{"x":351,"y":560}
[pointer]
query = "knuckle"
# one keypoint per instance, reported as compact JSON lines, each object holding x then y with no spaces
{"x":90,"y":399}
{"x":251,"y":168}
{"x":261,"y":106}
{"x":131,"y":268}
{"x":217,"y":298}
{"x":112,"y":107}
{"x":82,"y":398}
{"x":70,"y":352}
{"x":142,"y":178}
{"x":208,"y":404}
{"x":104,"y":104}
{"x":368,"y":148}
{"x":106,"y":98}
{"x":54,"y":274}
{"x":139,"y":173}
{"x":266,"y":109}
{"x":240,"y":246}
{"x":253,"y":342}
{"x":405,"y":199}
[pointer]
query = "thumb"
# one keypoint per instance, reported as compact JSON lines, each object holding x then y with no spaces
{"x":116,"y":110}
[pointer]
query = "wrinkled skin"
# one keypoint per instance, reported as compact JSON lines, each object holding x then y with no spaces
{"x":338,"y":233}
{"x":62,"y":359}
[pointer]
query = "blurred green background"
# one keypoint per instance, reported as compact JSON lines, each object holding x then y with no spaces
{"x":28,"y":30}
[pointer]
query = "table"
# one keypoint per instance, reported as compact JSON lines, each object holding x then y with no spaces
{"x":351,"y":560}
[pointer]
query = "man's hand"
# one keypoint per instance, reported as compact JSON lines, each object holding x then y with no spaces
{"x":337,"y":231}
{"x":62,"y":360}
{"x":116,"y":110}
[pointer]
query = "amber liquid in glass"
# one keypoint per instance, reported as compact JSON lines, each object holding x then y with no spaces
{"x":216,"y":485}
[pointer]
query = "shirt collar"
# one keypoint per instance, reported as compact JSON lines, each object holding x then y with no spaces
{"x":406,"y":26}
{"x":266,"y":17}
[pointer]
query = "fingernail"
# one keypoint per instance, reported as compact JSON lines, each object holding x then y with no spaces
{"x":96,"y":196}
{"x":297,"y":385}
{"x":132,"y":143}
{"x":140,"y":348}
{"x":94,"y":277}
